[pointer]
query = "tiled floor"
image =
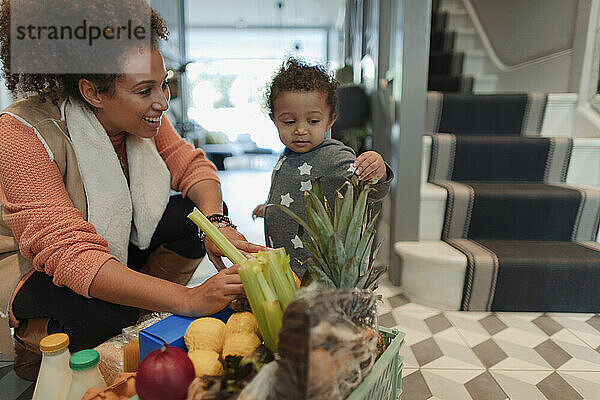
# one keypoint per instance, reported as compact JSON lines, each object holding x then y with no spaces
{"x":487,"y":356}
{"x":448,"y":355}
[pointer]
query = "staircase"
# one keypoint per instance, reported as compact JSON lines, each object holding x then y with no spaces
{"x":457,"y":61}
{"x":515,"y":236}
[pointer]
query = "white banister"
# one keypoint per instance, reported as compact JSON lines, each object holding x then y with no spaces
{"x":492,"y":53}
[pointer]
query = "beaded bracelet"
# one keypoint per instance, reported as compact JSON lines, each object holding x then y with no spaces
{"x":218,"y":220}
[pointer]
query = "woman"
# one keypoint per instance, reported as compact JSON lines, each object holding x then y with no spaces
{"x":89,"y":234}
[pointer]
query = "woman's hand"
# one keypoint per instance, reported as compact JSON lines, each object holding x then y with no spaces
{"x":259,"y":211}
{"x":214,"y":294}
{"x":370,"y":165}
{"x":237,"y":239}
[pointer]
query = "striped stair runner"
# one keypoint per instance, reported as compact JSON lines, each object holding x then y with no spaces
{"x":445,"y":64}
{"x":476,"y":114}
{"x":529,"y":238}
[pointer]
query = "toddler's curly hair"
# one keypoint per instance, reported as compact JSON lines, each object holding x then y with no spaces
{"x":296,"y":75}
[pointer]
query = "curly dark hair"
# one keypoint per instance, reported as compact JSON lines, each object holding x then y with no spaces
{"x":296,"y":75}
{"x":59,"y":85}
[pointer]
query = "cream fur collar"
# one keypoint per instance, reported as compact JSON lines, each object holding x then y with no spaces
{"x":112,"y":204}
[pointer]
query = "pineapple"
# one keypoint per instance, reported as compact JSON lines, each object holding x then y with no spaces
{"x":342,"y":249}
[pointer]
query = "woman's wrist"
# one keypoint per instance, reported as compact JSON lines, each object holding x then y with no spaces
{"x":219,"y":221}
{"x":183,"y":306}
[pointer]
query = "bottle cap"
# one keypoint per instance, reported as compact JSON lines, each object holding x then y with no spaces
{"x":84,"y":359}
{"x":55,"y":342}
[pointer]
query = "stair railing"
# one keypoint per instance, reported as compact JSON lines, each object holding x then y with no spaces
{"x":492,"y":53}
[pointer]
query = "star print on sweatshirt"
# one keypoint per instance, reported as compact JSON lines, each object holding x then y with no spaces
{"x":292,"y":176}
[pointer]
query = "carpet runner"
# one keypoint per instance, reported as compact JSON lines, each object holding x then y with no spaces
{"x":481,"y":114}
{"x":529,"y":238}
{"x":445,"y":64}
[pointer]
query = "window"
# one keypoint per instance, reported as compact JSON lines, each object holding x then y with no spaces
{"x":229,"y":74}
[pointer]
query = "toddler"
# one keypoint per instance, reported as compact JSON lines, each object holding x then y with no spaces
{"x":302,"y":104}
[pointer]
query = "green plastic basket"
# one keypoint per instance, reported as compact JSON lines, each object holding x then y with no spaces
{"x":384,"y":382}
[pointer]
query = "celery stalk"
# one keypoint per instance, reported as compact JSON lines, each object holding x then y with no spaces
{"x":285,"y":292}
{"x":256,"y":299}
{"x":264,"y":286}
{"x":230,"y":251}
{"x":274,"y":318}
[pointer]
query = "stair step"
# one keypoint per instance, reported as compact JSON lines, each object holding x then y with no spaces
{"x":432,"y":273}
{"x":485,"y":84}
{"x":442,"y":40}
{"x":466,"y":39}
{"x":521,"y":211}
{"x":455,"y":83}
{"x":445,"y":62}
{"x":475,"y":62}
{"x":457,"y":19}
{"x":439,"y":21}
{"x":559,"y":276}
{"x":501,"y":275}
{"x":450,"y":4}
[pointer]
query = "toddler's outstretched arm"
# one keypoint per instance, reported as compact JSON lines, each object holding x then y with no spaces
{"x":259,"y":211}
{"x":370,"y":165}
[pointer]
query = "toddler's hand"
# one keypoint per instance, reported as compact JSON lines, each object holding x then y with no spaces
{"x":259,"y":211}
{"x":370,"y":165}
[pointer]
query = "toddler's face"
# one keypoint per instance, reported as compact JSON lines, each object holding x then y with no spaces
{"x":302,"y":119}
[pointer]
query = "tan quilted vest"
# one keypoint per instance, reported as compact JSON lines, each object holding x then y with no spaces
{"x":46,"y":120}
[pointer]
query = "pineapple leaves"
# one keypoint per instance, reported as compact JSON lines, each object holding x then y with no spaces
{"x":317,"y":274}
{"x":339,"y":202}
{"x":368,"y":236}
{"x":293,"y":215}
{"x":326,"y":229}
{"x":349,"y":273}
{"x":320,"y":210}
{"x":319,"y":259}
{"x":345,"y":212}
{"x":317,"y":189}
{"x":343,"y":247}
{"x":374,"y":277}
{"x":354,"y":229}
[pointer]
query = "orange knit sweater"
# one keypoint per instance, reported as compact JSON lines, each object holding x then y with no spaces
{"x":49,"y":230}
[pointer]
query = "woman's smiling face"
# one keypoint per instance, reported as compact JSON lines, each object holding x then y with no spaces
{"x":302,"y":119}
{"x":139,"y":99}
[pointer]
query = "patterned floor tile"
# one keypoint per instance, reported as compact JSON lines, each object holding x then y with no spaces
{"x":586,"y":383}
{"x":398,"y":300}
{"x":462,"y":384}
{"x":387,"y":320}
{"x":521,"y":384}
{"x":555,"y":387}
{"x":414,"y":386}
{"x":386,"y":288}
{"x":582,"y":326}
{"x":529,"y":341}
{"x":383,"y":306}
{"x":503,"y":349}
{"x":432,"y":342}
{"x":582,"y":359}
{"x":484,"y":387}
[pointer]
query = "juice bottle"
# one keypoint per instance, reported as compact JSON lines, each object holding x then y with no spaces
{"x":55,"y":376}
{"x":86,"y":374}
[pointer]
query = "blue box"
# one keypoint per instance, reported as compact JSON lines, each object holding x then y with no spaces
{"x":171,"y":330}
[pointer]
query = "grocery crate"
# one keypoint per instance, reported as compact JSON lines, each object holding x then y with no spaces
{"x":384,"y":382}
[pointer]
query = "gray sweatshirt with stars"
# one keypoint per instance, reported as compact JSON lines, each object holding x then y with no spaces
{"x":292,"y":175}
